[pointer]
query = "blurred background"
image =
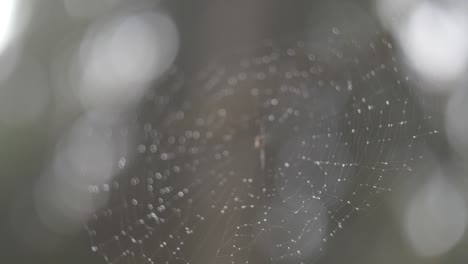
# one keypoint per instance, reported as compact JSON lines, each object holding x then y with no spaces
{"x":69,"y":67}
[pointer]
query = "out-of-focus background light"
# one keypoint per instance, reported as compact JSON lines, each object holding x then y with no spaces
{"x":14,"y":18}
{"x":436,"y":217}
{"x":393,"y":12}
{"x":433,"y":38}
{"x":435,"y":41}
{"x":120,"y":56}
{"x":86,"y":159}
{"x":7,"y":16}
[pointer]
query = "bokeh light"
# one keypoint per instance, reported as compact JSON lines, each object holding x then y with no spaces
{"x":86,"y":159}
{"x":435,"y":41}
{"x":7,"y":16}
{"x":436,"y":217}
{"x":120,"y":56}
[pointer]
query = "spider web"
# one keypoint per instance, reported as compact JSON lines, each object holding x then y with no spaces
{"x":263,"y":158}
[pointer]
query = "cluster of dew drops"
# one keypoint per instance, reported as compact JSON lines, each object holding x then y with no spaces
{"x":265,"y":158}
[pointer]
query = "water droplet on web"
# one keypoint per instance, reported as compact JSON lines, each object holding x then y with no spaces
{"x":336,"y":31}
{"x":122,"y":162}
